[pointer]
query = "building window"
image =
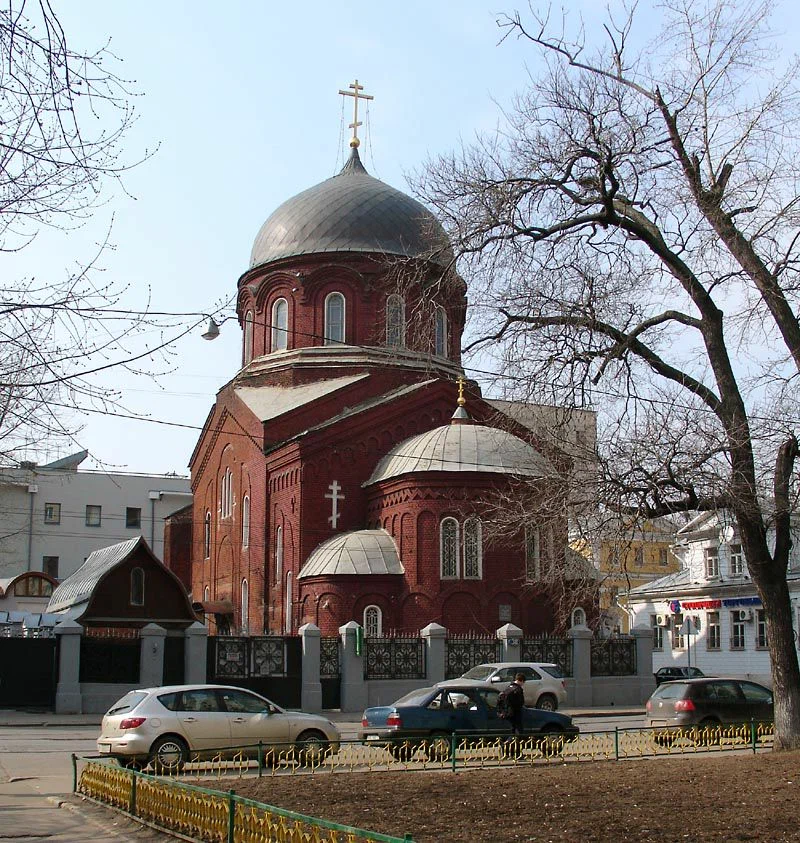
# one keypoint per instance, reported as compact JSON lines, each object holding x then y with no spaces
{"x":638,"y":557}
{"x":248,"y":337}
{"x":278,"y":553}
{"x":206,"y":598}
{"x":473,"y":552}
{"x":52,"y":513}
{"x":440,"y":345}
{"x":334,"y":319}
{"x":287,"y":621}
{"x":245,"y":608}
{"x":737,"y":561}
{"x":578,"y":617}
{"x":448,"y":548}
{"x":32,"y":586}
{"x":279,"y":339}
{"x":137,"y":587}
{"x":226,"y":494}
{"x":713,"y":636}
{"x":133,"y":517}
{"x":246,"y":521}
{"x":395,"y":322}
{"x":94,"y":515}
{"x":678,"y":639}
{"x":663,"y":557}
{"x":207,"y":536}
{"x":658,"y":633}
{"x":737,"y":630}
{"x":50,"y":566}
{"x":533,"y":570}
{"x":373,"y":622}
{"x":761,"y":630}
{"x":712,"y":562}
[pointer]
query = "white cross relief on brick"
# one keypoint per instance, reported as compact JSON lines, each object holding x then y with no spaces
{"x":334,"y":496}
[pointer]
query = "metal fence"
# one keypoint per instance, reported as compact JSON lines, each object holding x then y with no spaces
{"x":547,"y":649}
{"x":241,"y":657}
{"x":394,"y":658}
{"x":613,"y":657}
{"x":462,"y":653}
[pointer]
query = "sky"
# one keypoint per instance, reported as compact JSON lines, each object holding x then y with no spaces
{"x":239,"y":110}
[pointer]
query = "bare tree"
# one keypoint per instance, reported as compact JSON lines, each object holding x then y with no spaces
{"x":632,"y":235}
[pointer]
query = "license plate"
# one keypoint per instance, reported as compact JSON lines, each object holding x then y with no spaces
{"x":372,"y":737}
{"x":104,"y":748}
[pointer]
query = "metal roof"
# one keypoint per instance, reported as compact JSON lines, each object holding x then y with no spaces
{"x":361,"y":552}
{"x":463,"y":447}
{"x":78,"y":587}
{"x":351,"y":212}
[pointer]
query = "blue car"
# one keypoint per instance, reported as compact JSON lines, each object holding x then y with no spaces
{"x":426,"y":718}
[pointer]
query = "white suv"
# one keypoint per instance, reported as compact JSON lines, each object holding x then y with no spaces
{"x":544,"y":682}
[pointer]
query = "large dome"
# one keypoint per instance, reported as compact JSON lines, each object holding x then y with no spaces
{"x":463,"y":447}
{"x":351,"y":212}
{"x":360,"y":552}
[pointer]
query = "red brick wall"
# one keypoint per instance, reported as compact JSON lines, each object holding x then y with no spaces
{"x":178,"y":538}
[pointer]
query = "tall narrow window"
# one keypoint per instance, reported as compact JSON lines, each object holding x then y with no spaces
{"x":246,"y":521}
{"x":207,"y":536}
{"x":658,"y":633}
{"x":395,"y":322}
{"x":137,"y":587}
{"x":473,"y":552}
{"x":334,"y":319}
{"x":578,"y":617}
{"x":278,"y":553}
{"x":245,"y":608}
{"x":448,"y":548}
{"x":761,"y":630}
{"x":206,"y":599}
{"x":248,"y":337}
{"x":440,"y":346}
{"x":533,"y":566}
{"x":713,"y":637}
{"x":280,"y":325}
{"x":373,"y":622}
{"x":226,"y":494}
{"x":712,"y":562}
{"x":287,"y":621}
{"x":737,"y":561}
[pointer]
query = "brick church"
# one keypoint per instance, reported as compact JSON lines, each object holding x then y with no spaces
{"x":344,"y":472}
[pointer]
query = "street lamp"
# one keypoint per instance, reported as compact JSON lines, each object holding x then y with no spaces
{"x":212,"y":329}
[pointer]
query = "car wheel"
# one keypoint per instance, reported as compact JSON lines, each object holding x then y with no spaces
{"x":169,"y":754}
{"x":706,"y":733}
{"x":547,"y":702}
{"x":437,"y":747}
{"x":312,"y":748}
{"x":551,"y":743}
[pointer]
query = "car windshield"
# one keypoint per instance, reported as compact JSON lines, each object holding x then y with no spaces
{"x":553,"y":669}
{"x":670,"y":690}
{"x":479,"y":673}
{"x":418,"y":697}
{"x":127,"y":703}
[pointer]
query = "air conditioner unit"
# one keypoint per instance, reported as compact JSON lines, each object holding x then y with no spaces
{"x":742,"y":615}
{"x":662,"y":620}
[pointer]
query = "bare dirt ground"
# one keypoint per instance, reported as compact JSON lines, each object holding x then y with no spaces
{"x":718,"y":798}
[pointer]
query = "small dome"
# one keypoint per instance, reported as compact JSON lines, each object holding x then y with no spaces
{"x":351,"y":212}
{"x":361,"y":552}
{"x":463,"y":447}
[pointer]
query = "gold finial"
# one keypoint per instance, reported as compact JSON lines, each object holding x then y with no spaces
{"x":354,"y":141}
{"x":461,"y":400}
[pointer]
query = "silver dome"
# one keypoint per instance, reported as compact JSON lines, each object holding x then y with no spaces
{"x":360,"y":552}
{"x":463,"y":447}
{"x":351,"y":212}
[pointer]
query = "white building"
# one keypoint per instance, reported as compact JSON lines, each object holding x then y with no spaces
{"x":714,"y":591}
{"x":53,"y":516}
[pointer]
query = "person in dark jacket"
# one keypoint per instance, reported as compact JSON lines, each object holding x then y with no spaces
{"x":516,"y":702}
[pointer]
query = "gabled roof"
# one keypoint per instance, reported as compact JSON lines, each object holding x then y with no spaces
{"x":269,"y":402}
{"x":678,"y":579}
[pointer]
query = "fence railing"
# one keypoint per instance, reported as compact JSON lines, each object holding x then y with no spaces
{"x":394,"y":658}
{"x":461,"y":654}
{"x":547,"y":649}
{"x":613,"y":657}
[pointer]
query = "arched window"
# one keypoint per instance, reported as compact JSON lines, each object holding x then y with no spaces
{"x":278,"y":553}
{"x":334,"y":319}
{"x":245,"y":608}
{"x":533,"y":568}
{"x":206,"y":599}
{"x":578,"y":617}
{"x":226,"y":494}
{"x":137,"y":587}
{"x":448,"y":548}
{"x":287,"y":620}
{"x":246,"y":521}
{"x":395,"y":322}
{"x":280,"y":325}
{"x":248,"y":337}
{"x":207,"y":536}
{"x":473,"y":551}
{"x":440,"y":347}
{"x":373,"y":622}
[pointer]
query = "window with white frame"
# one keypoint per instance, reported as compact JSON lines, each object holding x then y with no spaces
{"x":206,"y":598}
{"x":279,"y":333}
{"x":448,"y":548}
{"x":678,"y":639}
{"x":52,"y":513}
{"x":287,"y":619}
{"x":94,"y":515}
{"x":245,"y":608}
{"x":663,"y":557}
{"x":712,"y":562}
{"x":737,"y":561}
{"x":395,"y":321}
{"x":248,"y":337}
{"x":246,"y":521}
{"x":473,"y":551}
{"x":658,"y":633}
{"x":533,"y":569}
{"x":334,"y":319}
{"x":207,"y":536}
{"x":713,"y":634}
{"x":278,"y":553}
{"x":226,"y":494}
{"x":737,"y":631}
{"x":440,"y":343}
{"x":761,"y":630}
{"x":373,"y":622}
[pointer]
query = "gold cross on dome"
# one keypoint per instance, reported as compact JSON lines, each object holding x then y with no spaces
{"x":354,"y":93}
{"x":461,"y":400}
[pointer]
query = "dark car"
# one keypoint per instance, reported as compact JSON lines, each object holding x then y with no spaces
{"x":669,"y":674}
{"x":708,"y":703}
{"x":428,"y":717}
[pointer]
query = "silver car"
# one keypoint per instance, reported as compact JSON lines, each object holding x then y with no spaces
{"x":167,"y":726}
{"x":544,"y":682}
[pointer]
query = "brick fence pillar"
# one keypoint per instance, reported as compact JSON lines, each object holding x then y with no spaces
{"x":581,"y":665}
{"x":195,"y":654}
{"x":311,"y":687}
{"x":151,"y":664}
{"x":353,"y":686}
{"x":644,"y":661}
{"x":68,"y":690}
{"x":435,"y":637}
{"x":511,"y":639}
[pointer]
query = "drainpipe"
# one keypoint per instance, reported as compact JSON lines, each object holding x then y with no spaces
{"x":32,"y":490}
{"x":154,"y":496}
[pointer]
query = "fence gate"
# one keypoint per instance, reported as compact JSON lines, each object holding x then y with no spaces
{"x":267,"y":664}
{"x":28,"y":672}
{"x":330,"y":673}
